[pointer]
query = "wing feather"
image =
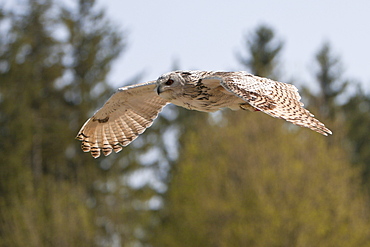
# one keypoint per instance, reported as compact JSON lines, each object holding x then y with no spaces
{"x":128,"y":113}
{"x":277,"y":99}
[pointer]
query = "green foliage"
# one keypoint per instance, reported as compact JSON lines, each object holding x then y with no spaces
{"x":349,"y":120}
{"x":331,"y":84}
{"x":357,"y":118}
{"x":235,"y":185}
{"x":46,"y":182}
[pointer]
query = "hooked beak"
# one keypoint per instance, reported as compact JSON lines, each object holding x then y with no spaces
{"x":159,"y":90}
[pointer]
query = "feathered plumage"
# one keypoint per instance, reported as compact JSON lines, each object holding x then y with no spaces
{"x":132,"y":109}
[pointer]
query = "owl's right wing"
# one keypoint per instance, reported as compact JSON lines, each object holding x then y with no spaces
{"x":123,"y":117}
{"x":277,"y":99}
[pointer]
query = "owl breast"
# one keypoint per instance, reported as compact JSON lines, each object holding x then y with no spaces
{"x":202,"y":98}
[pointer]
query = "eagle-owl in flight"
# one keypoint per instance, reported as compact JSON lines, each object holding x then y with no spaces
{"x":132,"y":109}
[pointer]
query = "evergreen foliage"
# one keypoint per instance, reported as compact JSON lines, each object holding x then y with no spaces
{"x":330,"y":82}
{"x":357,"y":118}
{"x":350,"y":119}
{"x":47,"y":184}
{"x":262,"y":52}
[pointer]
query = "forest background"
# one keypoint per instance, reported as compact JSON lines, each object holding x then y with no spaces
{"x":193,"y":179}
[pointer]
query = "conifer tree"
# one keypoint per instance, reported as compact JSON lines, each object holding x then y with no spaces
{"x":262,"y":52}
{"x":357,"y":121}
{"x":349,"y":120}
{"x":329,"y":79}
{"x":46,"y":182}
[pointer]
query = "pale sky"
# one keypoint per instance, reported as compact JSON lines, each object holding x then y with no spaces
{"x":207,"y":34}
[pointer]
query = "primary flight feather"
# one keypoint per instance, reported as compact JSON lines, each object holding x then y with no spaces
{"x":132,"y":109}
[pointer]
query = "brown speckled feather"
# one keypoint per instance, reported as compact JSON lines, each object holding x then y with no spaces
{"x":122,"y":118}
{"x":280,"y":100}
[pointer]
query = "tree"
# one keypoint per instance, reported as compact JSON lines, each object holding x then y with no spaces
{"x":331,"y":85}
{"x":262,"y":52}
{"x":47,"y":185}
{"x":348,"y":120}
{"x":357,"y":121}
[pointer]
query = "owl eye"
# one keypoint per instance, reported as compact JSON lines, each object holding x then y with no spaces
{"x":169,"y":82}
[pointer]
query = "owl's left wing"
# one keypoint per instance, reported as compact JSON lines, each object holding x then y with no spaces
{"x":123,"y":117}
{"x":277,"y":99}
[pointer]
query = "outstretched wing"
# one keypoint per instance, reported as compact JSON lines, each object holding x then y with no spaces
{"x":122,"y":118}
{"x":280,"y":100}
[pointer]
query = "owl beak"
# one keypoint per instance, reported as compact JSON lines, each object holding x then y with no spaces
{"x":159,"y":90}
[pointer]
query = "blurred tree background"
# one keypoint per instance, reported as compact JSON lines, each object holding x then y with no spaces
{"x":193,"y":179}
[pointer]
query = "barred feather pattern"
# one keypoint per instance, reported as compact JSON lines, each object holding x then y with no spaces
{"x":277,"y":99}
{"x":126,"y":115}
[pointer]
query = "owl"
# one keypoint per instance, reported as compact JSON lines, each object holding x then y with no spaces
{"x":132,"y":109}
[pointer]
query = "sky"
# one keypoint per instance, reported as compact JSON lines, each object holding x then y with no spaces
{"x":207,"y":35}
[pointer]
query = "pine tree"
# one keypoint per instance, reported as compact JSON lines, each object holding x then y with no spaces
{"x":357,"y":120}
{"x":349,"y":121}
{"x":329,"y":79}
{"x":46,"y":182}
{"x":262,"y":52}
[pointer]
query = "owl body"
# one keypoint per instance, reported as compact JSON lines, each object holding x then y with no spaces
{"x":132,"y":109}
{"x":200,"y":91}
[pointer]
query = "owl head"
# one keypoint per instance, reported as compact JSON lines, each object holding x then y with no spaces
{"x":170,"y":84}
